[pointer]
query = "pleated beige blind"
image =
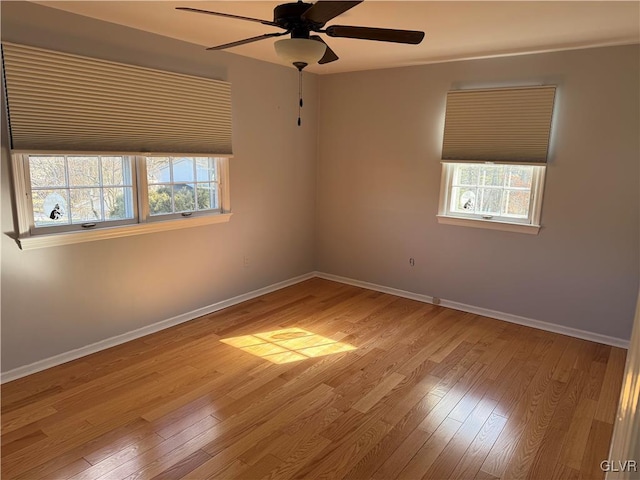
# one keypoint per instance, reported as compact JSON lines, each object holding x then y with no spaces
{"x":69,"y":103}
{"x":503,"y":125}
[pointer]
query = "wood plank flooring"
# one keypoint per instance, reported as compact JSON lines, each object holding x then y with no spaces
{"x":428,"y":392}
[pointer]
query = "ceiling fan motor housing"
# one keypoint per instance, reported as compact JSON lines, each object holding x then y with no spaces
{"x":289,"y":17}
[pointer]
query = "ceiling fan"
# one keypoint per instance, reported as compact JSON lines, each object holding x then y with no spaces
{"x":301,"y":19}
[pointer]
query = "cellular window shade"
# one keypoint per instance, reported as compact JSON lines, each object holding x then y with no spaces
{"x":69,"y":103}
{"x":503,"y":125}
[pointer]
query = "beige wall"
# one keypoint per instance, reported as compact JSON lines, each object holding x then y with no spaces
{"x":361,"y":210}
{"x":58,"y":299}
{"x":379,"y":179}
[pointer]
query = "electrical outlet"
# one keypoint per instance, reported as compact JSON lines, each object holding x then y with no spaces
{"x":412,"y":262}
{"x":245,"y":261}
{"x":435,"y":301}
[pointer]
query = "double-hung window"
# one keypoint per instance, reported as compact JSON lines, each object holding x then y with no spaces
{"x":495,"y":192}
{"x":102,"y":149}
{"x":72,"y":193}
{"x":65,"y":191}
{"x":494,"y":157}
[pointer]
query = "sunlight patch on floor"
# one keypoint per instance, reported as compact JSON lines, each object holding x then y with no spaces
{"x":288,"y":345}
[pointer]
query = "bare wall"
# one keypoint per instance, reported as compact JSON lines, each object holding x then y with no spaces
{"x":58,"y":299}
{"x":379,"y":179}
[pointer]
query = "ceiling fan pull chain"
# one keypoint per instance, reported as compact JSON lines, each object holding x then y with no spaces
{"x":299,"y":96}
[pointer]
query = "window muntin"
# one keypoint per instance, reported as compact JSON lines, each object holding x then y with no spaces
{"x":179,"y":185}
{"x":91,"y":191}
{"x":495,"y":192}
{"x":68,"y":190}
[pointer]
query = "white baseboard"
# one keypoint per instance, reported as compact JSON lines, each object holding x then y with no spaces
{"x":141,"y":332}
{"x":378,"y":288}
{"x":539,"y":324}
{"x":185,"y":317}
{"x":485,"y":312}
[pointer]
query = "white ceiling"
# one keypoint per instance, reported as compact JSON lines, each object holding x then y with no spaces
{"x":454,"y":29}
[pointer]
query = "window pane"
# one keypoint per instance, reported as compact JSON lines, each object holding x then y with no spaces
{"x":47,"y":172}
{"x":176,"y":188}
{"x":492,"y":175}
{"x":184,"y":197}
{"x":520,"y":176}
{"x":85,"y":205}
{"x":160,"y":199}
{"x":158,"y":170}
{"x":183,"y":169}
{"x":205,"y":169}
{"x":113,"y":171}
{"x":207,"y":196}
{"x":83,"y":171}
{"x":490,"y":201}
{"x":463,"y":199}
{"x":118,"y":203}
{"x":516,"y":203}
{"x":50,"y":207}
{"x":466,"y":175}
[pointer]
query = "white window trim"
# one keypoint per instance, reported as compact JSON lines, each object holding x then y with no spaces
{"x":489,"y":224}
{"x":55,"y":239}
{"x":532,"y":228}
{"x":27,"y":241}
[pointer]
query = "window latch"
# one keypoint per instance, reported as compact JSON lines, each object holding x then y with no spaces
{"x":187,"y":214}
{"x":88,"y":225}
{"x":487,"y":217}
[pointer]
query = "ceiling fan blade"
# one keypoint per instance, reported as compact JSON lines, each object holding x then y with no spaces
{"x":228,"y":15}
{"x":247,"y":40}
{"x":412,"y":37}
{"x":329,"y":55}
{"x":324,"y":10}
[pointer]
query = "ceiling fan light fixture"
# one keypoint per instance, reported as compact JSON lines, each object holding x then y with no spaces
{"x":300,"y":52}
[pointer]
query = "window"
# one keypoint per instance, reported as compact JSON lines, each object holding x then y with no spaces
{"x":91,"y":195}
{"x":503,"y":134}
{"x":85,"y":190}
{"x":62,"y":106}
{"x":507,"y":196}
{"x":181,"y":185}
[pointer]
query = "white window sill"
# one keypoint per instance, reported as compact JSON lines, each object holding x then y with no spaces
{"x":489,"y":224}
{"x":55,"y":239}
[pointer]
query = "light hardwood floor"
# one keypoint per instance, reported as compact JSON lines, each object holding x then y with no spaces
{"x":428,"y":392}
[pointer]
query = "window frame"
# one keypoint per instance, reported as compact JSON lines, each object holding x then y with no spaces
{"x":531,"y":225}
{"x":30,"y":237}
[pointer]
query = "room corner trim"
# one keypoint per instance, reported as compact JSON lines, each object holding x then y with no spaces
{"x":485,"y":312}
{"x":141,"y":332}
